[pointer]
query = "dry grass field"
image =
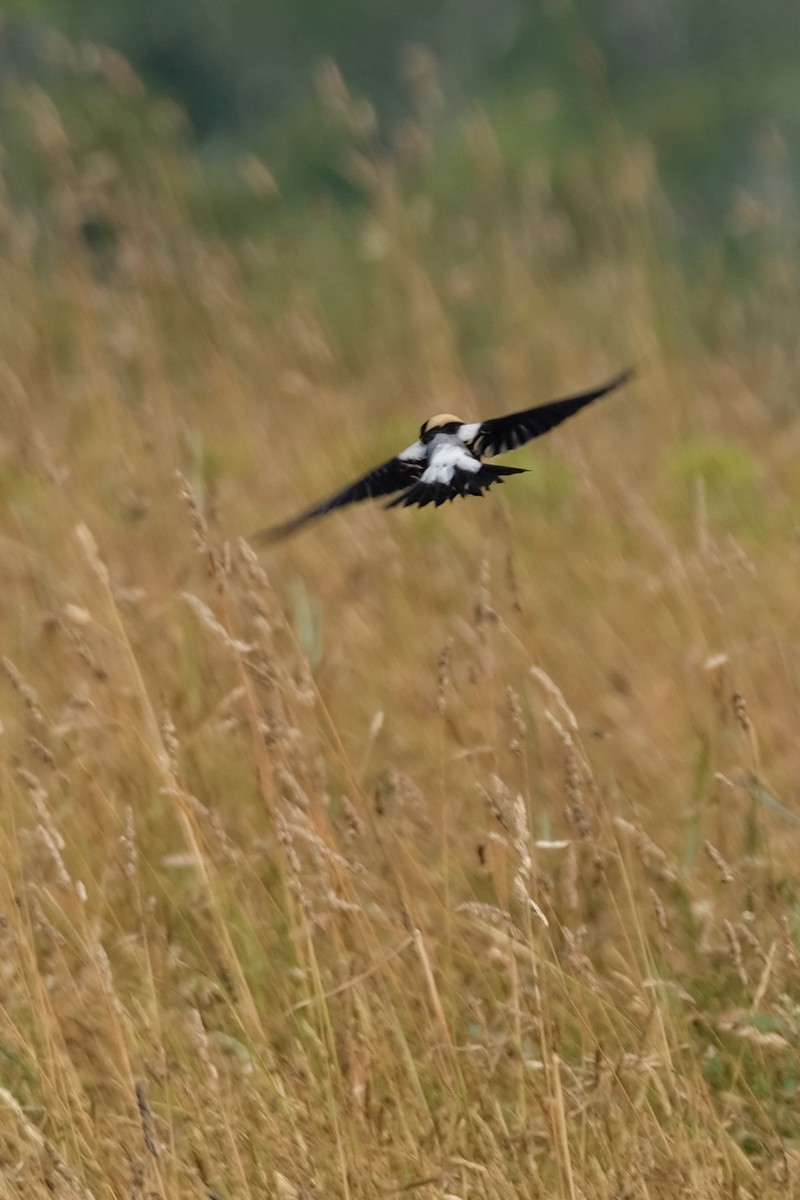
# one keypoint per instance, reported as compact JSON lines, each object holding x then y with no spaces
{"x":444,"y":854}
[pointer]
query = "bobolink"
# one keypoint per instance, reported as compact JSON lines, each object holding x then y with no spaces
{"x":447,"y":459}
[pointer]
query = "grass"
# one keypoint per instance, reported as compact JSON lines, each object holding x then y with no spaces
{"x":451,"y":854}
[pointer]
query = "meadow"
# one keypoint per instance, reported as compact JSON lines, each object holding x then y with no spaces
{"x":448,"y":853}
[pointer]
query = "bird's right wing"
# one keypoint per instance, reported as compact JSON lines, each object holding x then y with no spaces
{"x":507,"y":433}
{"x":389,"y":477}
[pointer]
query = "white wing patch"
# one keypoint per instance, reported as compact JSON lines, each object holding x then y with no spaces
{"x":468,"y":433}
{"x":445,"y":457}
{"x":413,"y":453}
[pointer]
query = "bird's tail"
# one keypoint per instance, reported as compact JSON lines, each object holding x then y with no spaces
{"x":422,"y":494}
{"x":481,"y":481}
{"x":463,"y":485}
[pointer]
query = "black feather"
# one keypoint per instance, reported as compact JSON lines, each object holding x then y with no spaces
{"x":464,"y":483}
{"x":501,"y":434}
{"x":388,"y":477}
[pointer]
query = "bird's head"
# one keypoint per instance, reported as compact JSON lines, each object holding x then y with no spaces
{"x":439,"y":422}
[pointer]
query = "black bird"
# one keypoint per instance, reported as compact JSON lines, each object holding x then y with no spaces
{"x":447,"y":460}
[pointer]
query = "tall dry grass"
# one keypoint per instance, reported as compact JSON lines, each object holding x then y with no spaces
{"x":446,"y":854}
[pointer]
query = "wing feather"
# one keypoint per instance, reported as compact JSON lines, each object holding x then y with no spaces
{"x":509,"y":432}
{"x":391,"y":476}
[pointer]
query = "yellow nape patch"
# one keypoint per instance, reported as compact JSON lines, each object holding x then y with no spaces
{"x":442,"y":419}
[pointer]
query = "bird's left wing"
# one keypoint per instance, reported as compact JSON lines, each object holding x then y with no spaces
{"x":507,"y":433}
{"x":389,"y":477}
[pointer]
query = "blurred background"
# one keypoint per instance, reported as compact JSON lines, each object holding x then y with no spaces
{"x":712,"y":88}
{"x":279,"y":832}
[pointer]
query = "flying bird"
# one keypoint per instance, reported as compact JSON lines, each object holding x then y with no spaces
{"x":447,"y":459}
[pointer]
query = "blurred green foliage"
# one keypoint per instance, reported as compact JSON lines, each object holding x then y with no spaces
{"x":712,"y":87}
{"x":723,"y":479}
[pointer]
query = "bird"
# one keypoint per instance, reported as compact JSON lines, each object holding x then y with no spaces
{"x":446,"y":460}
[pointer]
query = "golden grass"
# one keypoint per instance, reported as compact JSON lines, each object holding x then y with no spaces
{"x":446,"y":854}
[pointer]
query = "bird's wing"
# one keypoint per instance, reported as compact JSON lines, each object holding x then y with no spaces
{"x":389,"y":477}
{"x":507,"y":433}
